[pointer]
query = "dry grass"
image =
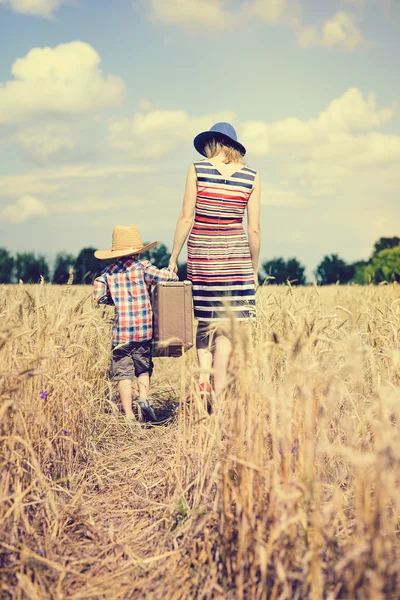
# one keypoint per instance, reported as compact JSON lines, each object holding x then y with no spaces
{"x":288,"y":492}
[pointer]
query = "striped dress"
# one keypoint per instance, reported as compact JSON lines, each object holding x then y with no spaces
{"x":219,"y":261}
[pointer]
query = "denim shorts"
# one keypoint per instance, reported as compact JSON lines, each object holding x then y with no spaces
{"x":134,"y":358}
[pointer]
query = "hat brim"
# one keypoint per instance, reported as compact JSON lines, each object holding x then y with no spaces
{"x":200,"y":141}
{"x":108,"y":254}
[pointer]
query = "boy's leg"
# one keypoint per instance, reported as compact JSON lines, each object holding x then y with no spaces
{"x":125,"y":393}
{"x":142,"y":358}
{"x":145,"y":407}
{"x":123,"y":373}
{"x":144,"y":385}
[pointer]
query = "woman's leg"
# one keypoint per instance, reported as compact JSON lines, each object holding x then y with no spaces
{"x":203,"y":345}
{"x":222,"y":355}
{"x":205,"y":362}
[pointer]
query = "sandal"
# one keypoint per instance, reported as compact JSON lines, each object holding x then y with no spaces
{"x":147,"y":411}
{"x":205,"y":391}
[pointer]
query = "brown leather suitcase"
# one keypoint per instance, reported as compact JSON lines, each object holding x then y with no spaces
{"x":172,"y":318}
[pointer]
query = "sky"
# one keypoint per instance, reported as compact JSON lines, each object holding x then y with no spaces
{"x":100,"y":101}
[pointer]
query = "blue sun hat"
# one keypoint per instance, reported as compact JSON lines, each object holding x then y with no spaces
{"x":220,"y":131}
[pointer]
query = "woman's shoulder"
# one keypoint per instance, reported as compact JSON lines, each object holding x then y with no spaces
{"x":200,"y":163}
{"x":200,"y":167}
{"x":247,"y":169}
{"x":247,"y":173}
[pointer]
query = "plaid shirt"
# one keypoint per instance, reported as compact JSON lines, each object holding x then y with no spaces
{"x":124,"y":284}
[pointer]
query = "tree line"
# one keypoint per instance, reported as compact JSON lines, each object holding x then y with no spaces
{"x":81,"y":269}
{"x":383,"y":265}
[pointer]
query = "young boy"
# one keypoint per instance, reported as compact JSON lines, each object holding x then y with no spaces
{"x":124,"y":284}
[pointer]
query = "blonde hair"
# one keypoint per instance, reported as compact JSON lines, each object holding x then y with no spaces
{"x":214,"y":147}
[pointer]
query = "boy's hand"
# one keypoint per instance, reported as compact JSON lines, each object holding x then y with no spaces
{"x":173,"y":265}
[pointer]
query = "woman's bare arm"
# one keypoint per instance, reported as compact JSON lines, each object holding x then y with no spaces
{"x":185,"y":220}
{"x":253,"y":225}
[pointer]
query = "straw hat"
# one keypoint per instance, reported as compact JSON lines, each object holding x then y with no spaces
{"x":126,"y":240}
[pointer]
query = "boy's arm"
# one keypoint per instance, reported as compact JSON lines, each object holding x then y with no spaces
{"x":101,"y":291}
{"x":153,"y":275}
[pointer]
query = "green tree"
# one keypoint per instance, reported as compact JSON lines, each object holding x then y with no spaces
{"x":295,"y":272}
{"x":87,"y":267}
{"x":359,"y":271}
{"x":64,"y":262}
{"x":283,"y":271}
{"x":158,"y":256}
{"x":6,"y":266}
{"x":274,"y":269}
{"x":385,"y":266}
{"x":332,"y":269}
{"x":30,"y":268}
{"x":385,"y":244}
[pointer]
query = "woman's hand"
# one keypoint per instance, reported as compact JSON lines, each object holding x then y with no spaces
{"x":173,"y":265}
{"x":256,"y":280}
{"x":253,"y":226}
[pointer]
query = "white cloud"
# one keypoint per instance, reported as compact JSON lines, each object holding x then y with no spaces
{"x":307,"y":37}
{"x":349,"y":113}
{"x":156,"y":132}
{"x":338,"y":31}
{"x":214,"y":15}
{"x":95,"y":204}
{"x":275,"y":12}
{"x":354,"y":170}
{"x":341,"y":31}
{"x":43,"y":8}
{"x":353,"y":112}
{"x":45,"y":140}
{"x":65,"y":80}
{"x":372,"y":149}
{"x":28,"y":207}
{"x":311,"y":172}
{"x":210,"y":14}
{"x":336,"y":159}
{"x":23,"y":210}
{"x":46,"y":181}
{"x":279,"y":196}
{"x":255,"y":135}
{"x":314,"y":159}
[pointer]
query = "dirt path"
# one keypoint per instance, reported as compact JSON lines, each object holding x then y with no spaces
{"x":116,"y":532}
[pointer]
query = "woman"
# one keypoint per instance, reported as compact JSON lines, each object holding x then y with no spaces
{"x":222,"y":262}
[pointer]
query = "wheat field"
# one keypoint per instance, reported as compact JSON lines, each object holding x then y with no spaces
{"x":289,"y":491}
